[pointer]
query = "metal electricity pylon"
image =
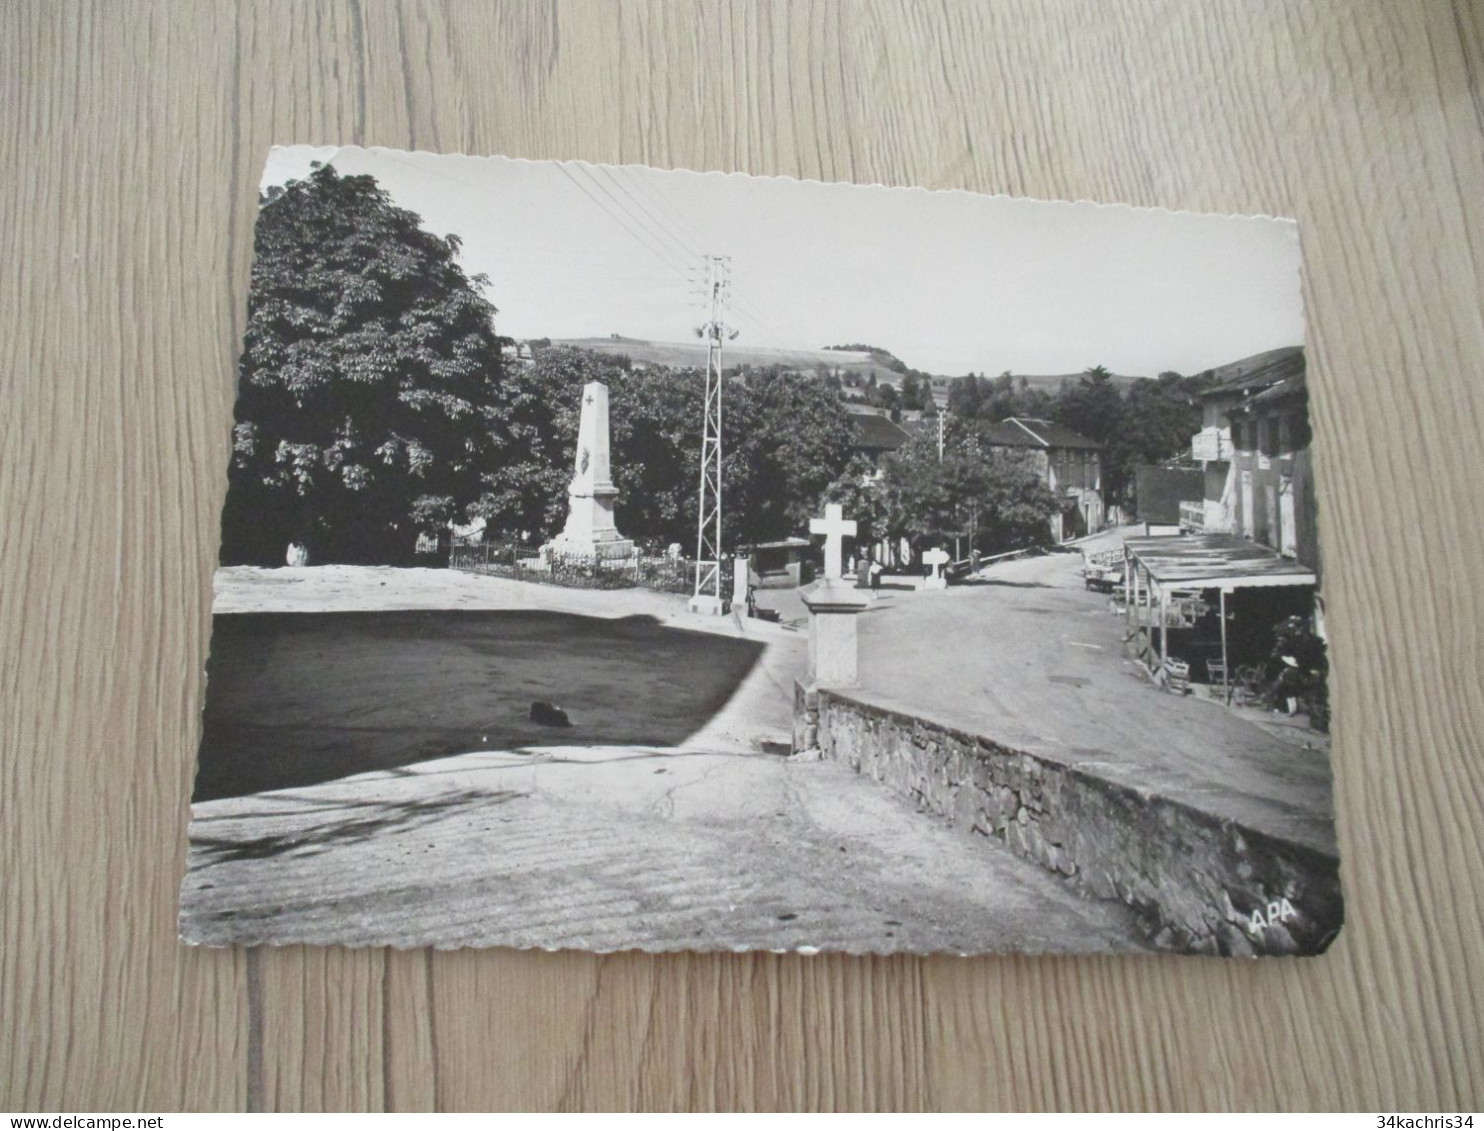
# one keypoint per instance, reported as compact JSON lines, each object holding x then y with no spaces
{"x":707,"y":597}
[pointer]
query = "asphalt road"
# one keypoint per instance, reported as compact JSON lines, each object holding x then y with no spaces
{"x":1028,"y":657}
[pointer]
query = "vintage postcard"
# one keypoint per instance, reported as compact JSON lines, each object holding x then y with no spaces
{"x":617,"y":558}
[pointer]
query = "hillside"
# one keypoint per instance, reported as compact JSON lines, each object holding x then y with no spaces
{"x":865,"y":360}
{"x":680,"y":355}
{"x":1052,"y":382}
{"x":1240,"y":368}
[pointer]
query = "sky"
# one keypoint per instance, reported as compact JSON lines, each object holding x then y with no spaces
{"x":951,"y":282}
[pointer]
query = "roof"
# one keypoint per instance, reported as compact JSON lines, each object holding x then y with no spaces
{"x":1008,"y":435}
{"x":877,"y":432}
{"x":1025,"y":432}
{"x":784,"y":544}
{"x":1280,"y":365}
{"x":1215,"y":561}
{"x":1289,"y":387}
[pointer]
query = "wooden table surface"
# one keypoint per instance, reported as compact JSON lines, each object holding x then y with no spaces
{"x":133,"y":135}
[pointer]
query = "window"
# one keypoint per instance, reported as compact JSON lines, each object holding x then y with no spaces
{"x":1268,"y":430}
{"x":1298,"y":431}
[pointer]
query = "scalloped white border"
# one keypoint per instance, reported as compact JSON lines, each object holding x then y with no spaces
{"x":785,"y":177}
{"x":806,"y":951}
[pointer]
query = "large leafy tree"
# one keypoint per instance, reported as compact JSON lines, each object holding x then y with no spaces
{"x":862,"y":496}
{"x":371,"y":401}
{"x":965,"y":396}
{"x":1148,"y":424}
{"x":1161,"y":415}
{"x":1093,"y":406}
{"x":795,"y":439}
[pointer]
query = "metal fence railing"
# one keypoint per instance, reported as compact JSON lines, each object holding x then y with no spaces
{"x":659,"y":572}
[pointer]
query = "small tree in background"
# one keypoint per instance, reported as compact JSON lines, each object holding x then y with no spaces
{"x":862,"y":497}
{"x":997,"y":497}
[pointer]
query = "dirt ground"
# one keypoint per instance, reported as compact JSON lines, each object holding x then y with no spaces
{"x":702,"y":844}
{"x":616,"y":848}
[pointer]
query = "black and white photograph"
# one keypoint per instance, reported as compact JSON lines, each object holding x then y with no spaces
{"x":616,"y":558}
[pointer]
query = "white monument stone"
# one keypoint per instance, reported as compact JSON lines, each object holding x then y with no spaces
{"x":937,"y":557}
{"x":590,"y":531}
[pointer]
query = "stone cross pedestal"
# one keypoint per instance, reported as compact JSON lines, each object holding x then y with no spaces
{"x":833,"y":648}
{"x":937,"y":557}
{"x":590,"y":531}
{"x":832,"y":607}
{"x":834,"y":657}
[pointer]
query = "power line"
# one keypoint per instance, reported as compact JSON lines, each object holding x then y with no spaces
{"x":661,"y":228}
{"x":656,"y":225}
{"x":665,"y":220}
{"x":666,"y":203}
{"x":656,"y":245}
{"x":663,"y":257}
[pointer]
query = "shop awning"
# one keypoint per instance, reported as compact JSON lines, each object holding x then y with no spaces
{"x":1214,"y":561}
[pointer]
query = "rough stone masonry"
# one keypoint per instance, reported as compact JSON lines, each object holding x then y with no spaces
{"x":1202,"y":884}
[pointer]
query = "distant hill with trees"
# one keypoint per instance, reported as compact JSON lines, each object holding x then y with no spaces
{"x":375,"y":404}
{"x":739,"y":354}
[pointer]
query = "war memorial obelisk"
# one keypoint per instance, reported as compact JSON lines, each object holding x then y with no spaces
{"x":590,"y":531}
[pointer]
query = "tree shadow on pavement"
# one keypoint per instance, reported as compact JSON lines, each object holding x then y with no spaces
{"x":321,"y":836}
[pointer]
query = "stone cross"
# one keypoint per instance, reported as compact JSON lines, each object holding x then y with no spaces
{"x":937,"y":557}
{"x":835,"y":527}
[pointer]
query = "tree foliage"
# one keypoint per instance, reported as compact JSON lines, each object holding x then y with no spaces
{"x":785,"y":436}
{"x":862,"y":498}
{"x":994,"y":498}
{"x":1148,"y":422}
{"x":370,"y":385}
{"x":374,"y":404}
{"x":998,"y":497}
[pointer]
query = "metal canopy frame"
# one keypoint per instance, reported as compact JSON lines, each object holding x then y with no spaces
{"x":1216,"y":561}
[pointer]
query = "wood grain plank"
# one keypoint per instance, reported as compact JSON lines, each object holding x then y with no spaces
{"x":128,"y":165}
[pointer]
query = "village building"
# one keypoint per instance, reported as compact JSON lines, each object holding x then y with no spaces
{"x":783,"y":564}
{"x":1272,"y":471}
{"x":1071,"y":466}
{"x":1213,"y":447}
{"x":875,"y":436}
{"x":1205,"y":605}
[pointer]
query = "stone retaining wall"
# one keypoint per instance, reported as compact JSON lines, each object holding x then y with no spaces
{"x":1201,"y":883}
